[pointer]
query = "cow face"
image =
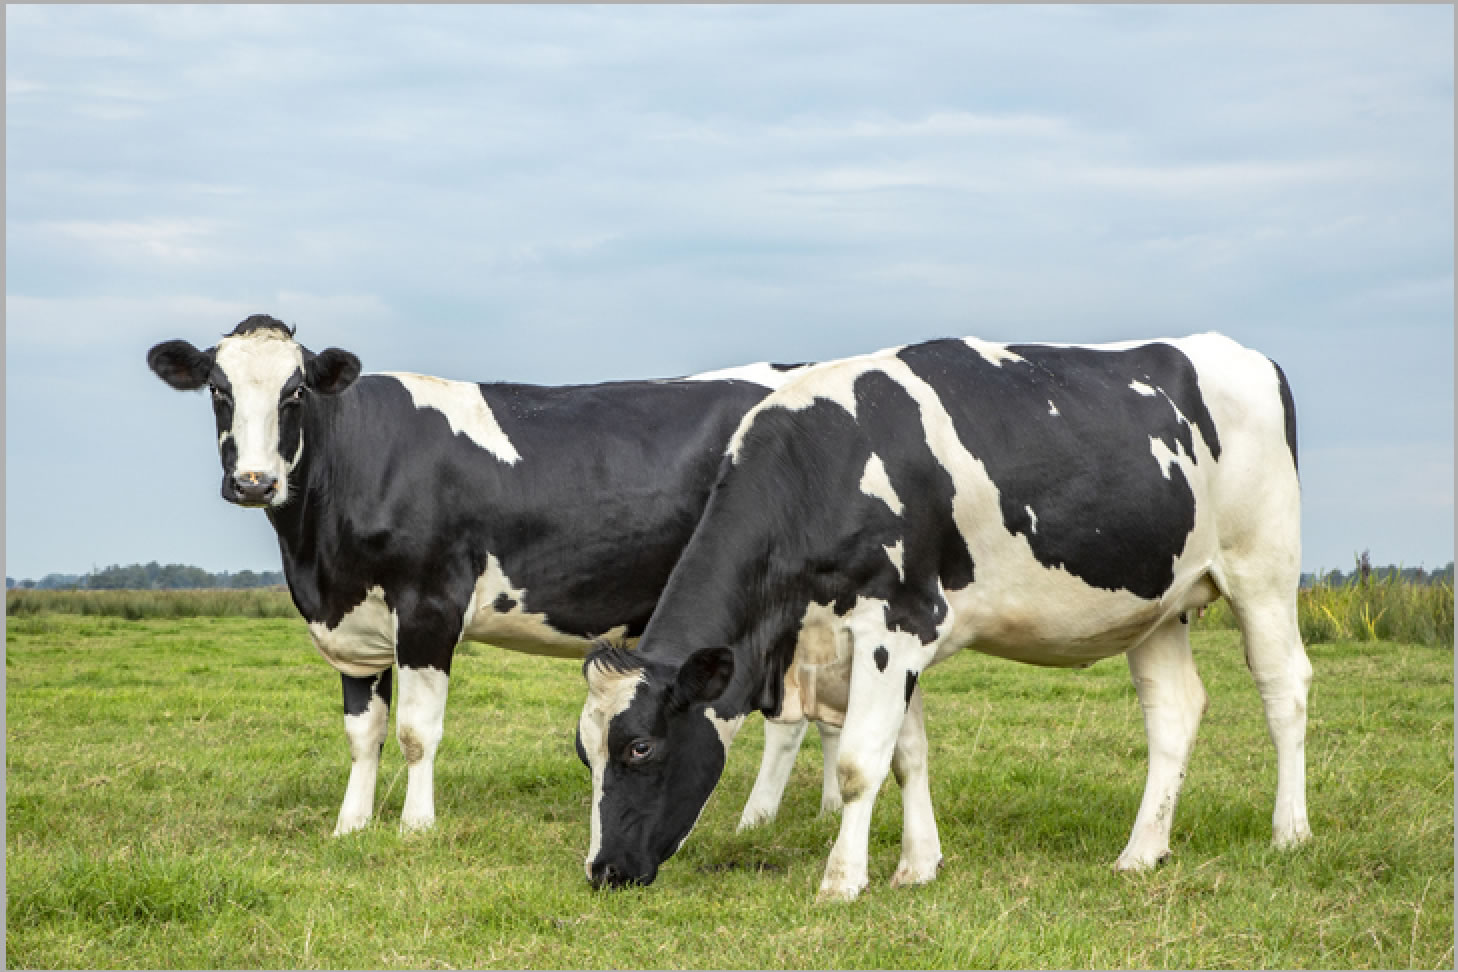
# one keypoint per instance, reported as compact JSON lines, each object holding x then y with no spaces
{"x":261,"y":382}
{"x":656,"y":750}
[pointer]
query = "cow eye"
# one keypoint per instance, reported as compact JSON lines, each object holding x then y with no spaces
{"x":295,"y":396}
{"x":640,"y":750}
{"x":220,"y":396}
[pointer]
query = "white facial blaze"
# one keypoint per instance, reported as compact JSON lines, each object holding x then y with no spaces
{"x":608,"y":694}
{"x":464,"y":408}
{"x":258,"y":365}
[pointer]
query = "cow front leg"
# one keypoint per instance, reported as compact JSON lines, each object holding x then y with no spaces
{"x":366,"y":718}
{"x":830,"y":801}
{"x":781,"y":746}
{"x":1173,"y":700}
{"x":921,"y":848}
{"x":419,"y":726}
{"x":884,"y":671}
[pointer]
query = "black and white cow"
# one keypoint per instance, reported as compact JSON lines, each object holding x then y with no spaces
{"x":414,"y":512}
{"x":1049,"y":504}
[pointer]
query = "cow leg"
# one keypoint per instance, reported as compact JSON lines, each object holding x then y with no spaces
{"x":1173,"y":700}
{"x":830,"y":801}
{"x":921,"y":849}
{"x":1282,"y":672}
{"x":366,"y":718}
{"x":781,"y":746}
{"x":884,"y":670}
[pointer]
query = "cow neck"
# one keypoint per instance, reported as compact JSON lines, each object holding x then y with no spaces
{"x":750,"y":610}
{"x":297,"y":521}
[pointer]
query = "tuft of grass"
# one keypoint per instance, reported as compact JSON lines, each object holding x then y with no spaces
{"x":1386,"y":609}
{"x":257,"y":602}
{"x":171,"y":784}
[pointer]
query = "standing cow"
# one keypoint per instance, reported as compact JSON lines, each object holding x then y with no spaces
{"x":414,"y":512}
{"x":1049,"y":504}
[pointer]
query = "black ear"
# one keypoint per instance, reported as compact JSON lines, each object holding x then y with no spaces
{"x":331,"y":371}
{"x":704,"y":677}
{"x":181,"y":365}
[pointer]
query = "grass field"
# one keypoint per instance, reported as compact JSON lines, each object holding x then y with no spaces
{"x":171,"y":785}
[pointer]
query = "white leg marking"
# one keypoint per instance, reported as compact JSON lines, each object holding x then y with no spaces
{"x":921,"y":848}
{"x":1173,"y":700}
{"x":830,"y":800}
{"x":781,"y":745}
{"x":366,"y":734}
{"x":1282,"y":673}
{"x":874,"y":714}
{"x":419,"y":725}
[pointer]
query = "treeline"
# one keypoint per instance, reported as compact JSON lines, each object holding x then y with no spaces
{"x":1380,"y":575}
{"x":151,"y":577}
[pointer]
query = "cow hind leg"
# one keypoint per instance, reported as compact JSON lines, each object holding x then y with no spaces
{"x":1173,"y":700}
{"x":830,"y":799}
{"x":366,"y":719}
{"x":1282,"y":672}
{"x":921,"y":848}
{"x":781,"y":746}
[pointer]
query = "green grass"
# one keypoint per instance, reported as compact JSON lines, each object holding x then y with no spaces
{"x":171,"y":785}
{"x":260,"y":602}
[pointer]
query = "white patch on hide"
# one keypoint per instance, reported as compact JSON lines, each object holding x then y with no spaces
{"x":609,"y":693}
{"x":517,"y":629}
{"x":875,"y":482}
{"x":995,"y":353}
{"x":363,"y":642}
{"x":760,"y":373}
{"x":897,"y":553}
{"x":1052,"y":409}
{"x":1033,"y":517}
{"x":1143,"y":389}
{"x":464,"y":408}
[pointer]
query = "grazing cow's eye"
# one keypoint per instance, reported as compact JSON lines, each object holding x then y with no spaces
{"x":294,"y":397}
{"x":220,"y":396}
{"x":640,"y":750}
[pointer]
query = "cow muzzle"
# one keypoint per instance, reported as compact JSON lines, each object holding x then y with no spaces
{"x":613,"y":877}
{"x":253,"y":488}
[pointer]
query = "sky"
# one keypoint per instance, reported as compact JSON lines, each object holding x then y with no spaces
{"x":561,"y":194}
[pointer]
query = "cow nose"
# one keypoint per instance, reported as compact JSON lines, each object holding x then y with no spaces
{"x":255,"y":487}
{"x":606,"y":875}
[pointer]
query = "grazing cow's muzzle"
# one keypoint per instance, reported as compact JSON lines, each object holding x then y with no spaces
{"x":613,"y":877}
{"x":250,"y":488}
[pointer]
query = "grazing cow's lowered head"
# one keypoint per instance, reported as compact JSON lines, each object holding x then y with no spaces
{"x":656,"y":749}
{"x":261,"y":381}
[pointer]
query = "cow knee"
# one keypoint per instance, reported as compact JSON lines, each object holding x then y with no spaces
{"x":853,"y":780}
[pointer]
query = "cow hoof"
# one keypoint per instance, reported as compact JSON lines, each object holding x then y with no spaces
{"x":830,"y":805}
{"x":832,"y":893}
{"x":416,"y":825}
{"x":910,"y":873}
{"x":1129,"y":863}
{"x":1293,"y":838}
{"x":751,"y":820}
{"x":350,"y":825}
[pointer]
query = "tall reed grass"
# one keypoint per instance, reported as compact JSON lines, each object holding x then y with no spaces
{"x":1389,"y":609}
{"x":258,"y":602}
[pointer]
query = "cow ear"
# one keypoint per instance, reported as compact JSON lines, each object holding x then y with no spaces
{"x":181,"y":365}
{"x":704,"y":677}
{"x":331,"y":371}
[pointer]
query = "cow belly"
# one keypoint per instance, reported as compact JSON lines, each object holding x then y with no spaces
{"x":363,"y":642}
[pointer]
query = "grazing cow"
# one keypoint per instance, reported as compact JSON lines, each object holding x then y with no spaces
{"x":1048,"y":504}
{"x":414,"y":512}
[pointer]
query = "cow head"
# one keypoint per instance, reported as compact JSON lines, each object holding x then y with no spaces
{"x":656,"y":749}
{"x":261,"y":381}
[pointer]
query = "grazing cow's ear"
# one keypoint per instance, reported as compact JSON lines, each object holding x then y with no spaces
{"x":181,"y":365}
{"x":331,"y":371}
{"x":704,"y":677}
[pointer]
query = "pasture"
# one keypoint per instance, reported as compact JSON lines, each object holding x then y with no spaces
{"x":172,"y":782}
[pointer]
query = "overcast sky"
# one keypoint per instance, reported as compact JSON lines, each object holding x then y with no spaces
{"x":557,"y":194}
